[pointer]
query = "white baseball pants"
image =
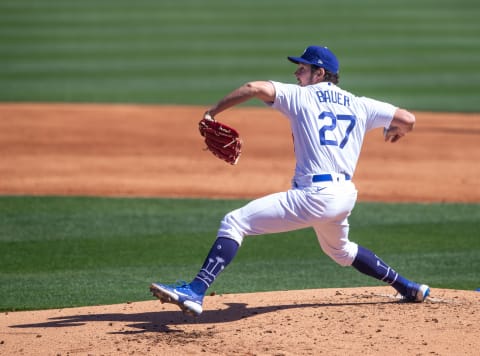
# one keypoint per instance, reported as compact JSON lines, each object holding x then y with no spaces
{"x":324,"y":206}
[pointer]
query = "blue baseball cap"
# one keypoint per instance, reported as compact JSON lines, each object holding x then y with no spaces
{"x":320,"y":57}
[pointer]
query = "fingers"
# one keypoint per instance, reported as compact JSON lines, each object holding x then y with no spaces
{"x":392,"y":134}
{"x":208,"y":116}
{"x":395,"y":138}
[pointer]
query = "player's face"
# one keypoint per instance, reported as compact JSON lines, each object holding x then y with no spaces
{"x":304,"y":75}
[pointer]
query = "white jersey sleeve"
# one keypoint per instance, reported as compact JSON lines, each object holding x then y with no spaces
{"x":328,"y":125}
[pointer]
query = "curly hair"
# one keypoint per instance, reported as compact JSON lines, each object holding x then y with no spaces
{"x":329,"y":76}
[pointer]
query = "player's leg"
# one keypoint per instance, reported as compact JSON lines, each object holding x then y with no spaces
{"x":346,"y":253}
{"x":332,"y":230}
{"x":370,"y":264}
{"x":270,"y":214}
{"x":220,"y":255}
{"x":189,"y":297}
{"x":332,"y":233}
{"x":333,"y":238}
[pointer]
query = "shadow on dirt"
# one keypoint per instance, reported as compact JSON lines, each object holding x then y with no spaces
{"x":162,"y":321}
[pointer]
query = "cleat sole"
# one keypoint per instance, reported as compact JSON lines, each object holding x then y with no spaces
{"x":189,"y":308}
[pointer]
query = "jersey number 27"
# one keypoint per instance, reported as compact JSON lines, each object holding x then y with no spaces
{"x":352,"y":120}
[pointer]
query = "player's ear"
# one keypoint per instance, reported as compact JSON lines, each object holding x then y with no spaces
{"x":319,"y":73}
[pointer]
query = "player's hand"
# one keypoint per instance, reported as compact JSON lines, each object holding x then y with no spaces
{"x":208,"y":116}
{"x":392,"y":134}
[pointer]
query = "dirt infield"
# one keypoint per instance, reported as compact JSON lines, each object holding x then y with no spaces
{"x":139,"y":151}
{"x":127,"y":150}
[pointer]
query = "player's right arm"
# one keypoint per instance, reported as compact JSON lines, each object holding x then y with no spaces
{"x":402,"y":123}
{"x":262,"y":90}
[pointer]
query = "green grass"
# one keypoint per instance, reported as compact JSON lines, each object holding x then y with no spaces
{"x":422,"y":55}
{"x":61,"y":252}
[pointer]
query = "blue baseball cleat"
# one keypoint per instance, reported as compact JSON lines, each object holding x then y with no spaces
{"x":416,"y":293}
{"x":181,"y":295}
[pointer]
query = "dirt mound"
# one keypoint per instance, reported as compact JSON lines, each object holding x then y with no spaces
{"x":351,"y":321}
{"x":127,"y":150}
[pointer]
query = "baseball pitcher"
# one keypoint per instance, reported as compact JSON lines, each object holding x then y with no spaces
{"x":328,"y":126}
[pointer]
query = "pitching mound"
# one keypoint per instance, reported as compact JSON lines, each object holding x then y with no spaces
{"x":132,"y":151}
{"x":369,"y":321}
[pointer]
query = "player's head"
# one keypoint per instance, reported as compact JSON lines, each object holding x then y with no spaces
{"x":319,"y":57}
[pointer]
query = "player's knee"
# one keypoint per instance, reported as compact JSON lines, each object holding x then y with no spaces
{"x":344,"y":256}
{"x":230,"y":227}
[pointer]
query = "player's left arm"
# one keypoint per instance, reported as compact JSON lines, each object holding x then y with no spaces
{"x":402,"y":123}
{"x":262,"y":90}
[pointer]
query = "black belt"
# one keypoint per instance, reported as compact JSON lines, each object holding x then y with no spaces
{"x":327,"y":177}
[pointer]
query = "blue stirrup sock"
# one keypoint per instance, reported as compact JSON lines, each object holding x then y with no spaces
{"x":370,"y":264}
{"x":221,"y":254}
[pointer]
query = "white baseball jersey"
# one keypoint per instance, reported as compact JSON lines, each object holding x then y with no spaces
{"x":328,"y":125}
